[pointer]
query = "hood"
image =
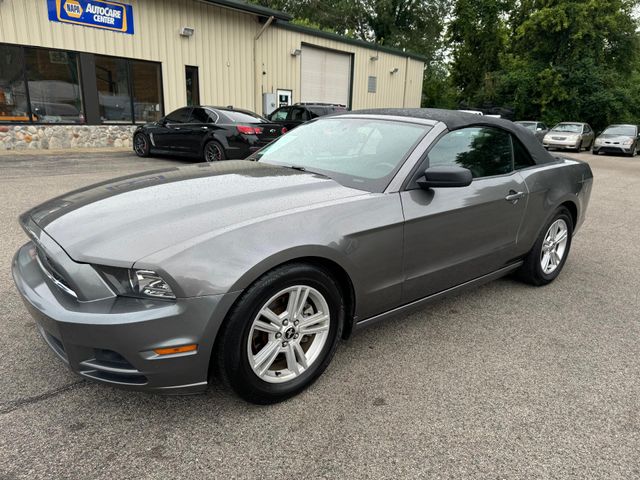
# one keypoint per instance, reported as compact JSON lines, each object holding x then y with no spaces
{"x":126,"y":219}
{"x":615,"y":138}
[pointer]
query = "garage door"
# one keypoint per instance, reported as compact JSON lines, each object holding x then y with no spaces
{"x":326,"y":76}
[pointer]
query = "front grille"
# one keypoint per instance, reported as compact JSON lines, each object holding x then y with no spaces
{"x":50,"y":271}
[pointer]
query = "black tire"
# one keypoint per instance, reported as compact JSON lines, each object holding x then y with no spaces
{"x":531,"y":271}
{"x":231,"y":356}
{"x":213,"y":152}
{"x":595,"y":152}
{"x":141,"y":145}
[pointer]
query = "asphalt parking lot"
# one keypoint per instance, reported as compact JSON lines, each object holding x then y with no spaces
{"x":507,"y":381}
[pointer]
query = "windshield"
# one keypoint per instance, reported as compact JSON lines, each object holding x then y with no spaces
{"x":356,"y":152}
{"x":624,"y":130}
{"x":528,"y":125}
{"x":568,"y":127}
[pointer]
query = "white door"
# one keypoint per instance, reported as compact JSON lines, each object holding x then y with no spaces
{"x":325,"y":76}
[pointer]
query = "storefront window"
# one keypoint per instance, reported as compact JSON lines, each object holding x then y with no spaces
{"x":13,"y":98}
{"x":46,"y":86}
{"x":147,"y":88}
{"x":54,"y":86}
{"x":114,"y":98}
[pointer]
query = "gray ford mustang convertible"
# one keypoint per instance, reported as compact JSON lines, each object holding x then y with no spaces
{"x":251,"y":271}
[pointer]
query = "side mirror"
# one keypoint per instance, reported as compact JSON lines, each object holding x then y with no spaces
{"x":163,"y":121}
{"x":539,"y":129}
{"x":445,"y":177}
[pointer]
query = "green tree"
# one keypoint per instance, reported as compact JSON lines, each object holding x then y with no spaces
{"x":572,"y":60}
{"x":477,"y":36}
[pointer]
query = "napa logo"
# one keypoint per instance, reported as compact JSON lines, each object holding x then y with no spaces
{"x":73,"y":8}
{"x":105,"y":14}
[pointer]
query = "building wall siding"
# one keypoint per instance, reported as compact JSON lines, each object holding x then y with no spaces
{"x":223,"y":47}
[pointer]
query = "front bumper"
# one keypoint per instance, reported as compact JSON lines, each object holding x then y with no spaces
{"x":113,"y":340}
{"x":559,"y":144}
{"x":615,"y":149}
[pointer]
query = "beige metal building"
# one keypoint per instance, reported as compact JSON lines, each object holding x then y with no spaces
{"x":106,"y":63}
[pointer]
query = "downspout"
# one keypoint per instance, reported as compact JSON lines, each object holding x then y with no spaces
{"x":406,"y":77}
{"x":258,"y":77}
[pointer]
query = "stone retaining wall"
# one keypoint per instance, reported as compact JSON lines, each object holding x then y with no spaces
{"x":19,"y":137}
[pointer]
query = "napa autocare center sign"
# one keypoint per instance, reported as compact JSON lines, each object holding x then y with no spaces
{"x":93,"y":13}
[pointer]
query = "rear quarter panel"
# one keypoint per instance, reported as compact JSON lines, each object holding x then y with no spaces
{"x":551,"y":185}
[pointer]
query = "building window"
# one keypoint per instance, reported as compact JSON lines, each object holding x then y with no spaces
{"x":46,"y":86}
{"x":13,"y":95}
{"x":114,"y":97}
{"x":372,"y":84}
{"x":53,"y":79}
{"x":117,"y":78}
{"x":147,"y":91}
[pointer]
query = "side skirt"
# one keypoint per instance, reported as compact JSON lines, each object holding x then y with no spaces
{"x":418,"y":304}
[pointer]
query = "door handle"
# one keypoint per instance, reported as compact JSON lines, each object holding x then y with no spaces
{"x":514,"y":196}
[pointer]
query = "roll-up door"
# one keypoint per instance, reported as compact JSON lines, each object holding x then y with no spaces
{"x":325,"y":76}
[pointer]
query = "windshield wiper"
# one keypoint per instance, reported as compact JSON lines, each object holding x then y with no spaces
{"x":304,"y":169}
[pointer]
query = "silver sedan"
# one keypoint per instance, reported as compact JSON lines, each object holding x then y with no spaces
{"x":569,"y":136}
{"x":251,"y":271}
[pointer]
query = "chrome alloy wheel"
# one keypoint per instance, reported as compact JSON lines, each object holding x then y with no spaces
{"x":288,"y":334}
{"x":554,"y":246}
{"x":140,"y":144}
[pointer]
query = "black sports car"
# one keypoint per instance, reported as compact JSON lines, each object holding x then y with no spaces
{"x":210,"y":133}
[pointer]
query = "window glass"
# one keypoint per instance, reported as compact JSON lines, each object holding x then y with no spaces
{"x":200,"y":115}
{"x":182,"y":115}
{"x":13,"y":98}
{"x":54,"y":86}
{"x":114,"y":97}
{"x":359,"y":153}
{"x":568,"y":127}
{"x":280,"y":114}
{"x":299,"y":114}
{"x":484,"y":151}
{"x":315,"y":112}
{"x":626,"y":130}
{"x":235,"y":116}
{"x":147,"y":91}
{"x":521,"y":157}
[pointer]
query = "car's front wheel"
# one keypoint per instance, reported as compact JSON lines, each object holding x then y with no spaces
{"x":546,"y":259}
{"x":281,"y":335}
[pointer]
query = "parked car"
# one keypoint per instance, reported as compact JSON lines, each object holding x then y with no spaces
{"x":208,"y":133}
{"x":539,"y":129}
{"x":253,"y":270}
{"x":570,"y":135}
{"x":617,"y":139}
{"x":292,"y":116}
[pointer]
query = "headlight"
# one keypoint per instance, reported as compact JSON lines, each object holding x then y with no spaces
{"x":628,"y":142}
{"x":598,"y":141}
{"x":130,"y":282}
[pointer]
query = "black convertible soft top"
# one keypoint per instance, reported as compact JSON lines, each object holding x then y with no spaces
{"x":455,"y":120}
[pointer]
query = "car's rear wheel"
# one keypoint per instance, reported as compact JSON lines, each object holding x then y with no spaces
{"x":546,"y":259}
{"x":141,"y":145}
{"x":281,"y":335}
{"x":213,"y":152}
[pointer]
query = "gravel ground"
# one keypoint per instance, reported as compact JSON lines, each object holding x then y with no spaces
{"x":507,"y":381}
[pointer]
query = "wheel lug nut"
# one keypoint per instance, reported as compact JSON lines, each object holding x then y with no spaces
{"x":285,"y":322}
{"x":278,"y":335}
{"x":296,"y":336}
{"x":284,"y":344}
{"x":296,"y":323}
